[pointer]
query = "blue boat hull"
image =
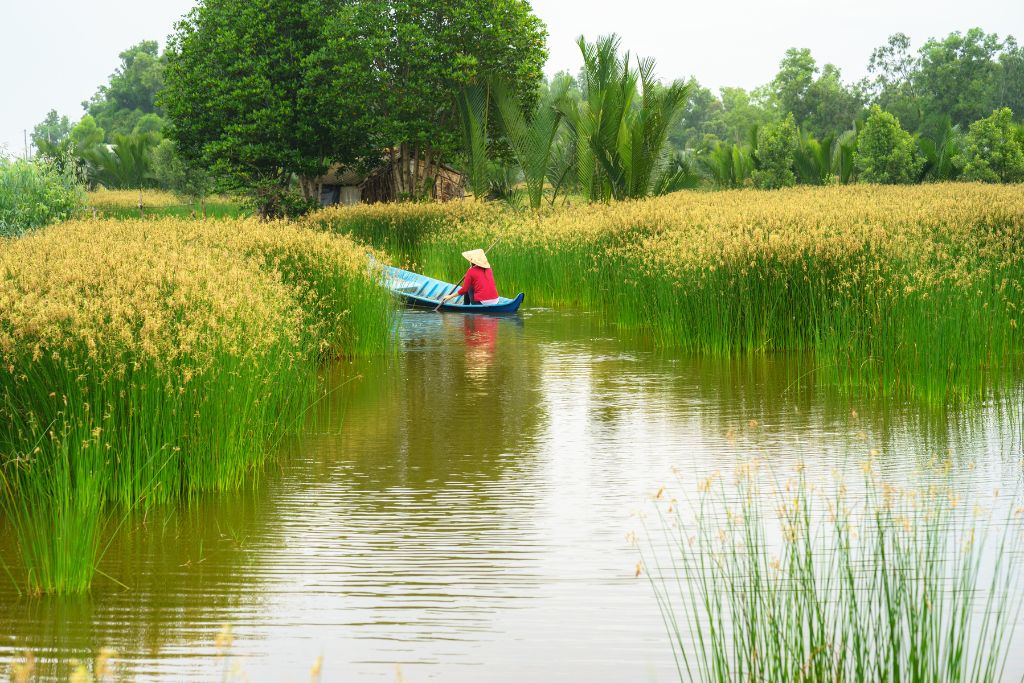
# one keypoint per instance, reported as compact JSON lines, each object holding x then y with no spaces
{"x":420,"y":291}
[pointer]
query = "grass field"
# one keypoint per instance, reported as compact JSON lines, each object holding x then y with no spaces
{"x":150,"y":361}
{"x":904,"y":291}
{"x":159,"y":204}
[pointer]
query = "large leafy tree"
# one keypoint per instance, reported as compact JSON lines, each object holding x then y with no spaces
{"x":131,"y":92}
{"x":423,"y":54}
{"x":52,"y":130}
{"x":959,"y":78}
{"x":959,"y":75}
{"x":700,"y":109}
{"x":832,"y":106}
{"x":885,"y":152}
{"x":791,"y":84}
{"x":255,"y":92}
{"x":994,"y":150}
{"x":741,"y":115}
{"x":892,"y":86}
{"x":266,"y":90}
{"x":817,"y":98}
{"x":777,"y":145}
{"x":1011,"y":77}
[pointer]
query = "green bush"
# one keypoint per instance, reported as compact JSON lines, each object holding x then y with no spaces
{"x":885,"y":152}
{"x":36,"y":193}
{"x":777,"y":144}
{"x":994,"y":151}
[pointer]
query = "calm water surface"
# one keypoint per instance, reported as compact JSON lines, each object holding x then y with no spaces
{"x":459,"y":512}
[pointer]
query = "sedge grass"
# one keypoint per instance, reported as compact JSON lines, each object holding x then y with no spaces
{"x":146,"y":362}
{"x":124,"y":204}
{"x":895,"y":587}
{"x":896,"y":291}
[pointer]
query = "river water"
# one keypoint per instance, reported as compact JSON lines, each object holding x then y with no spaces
{"x":459,"y":511}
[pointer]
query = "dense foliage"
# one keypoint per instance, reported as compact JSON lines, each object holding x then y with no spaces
{"x":994,"y":150}
{"x":127,"y":103}
{"x":419,"y":55}
{"x":266,"y":92}
{"x":36,"y":193}
{"x":244,"y":102}
{"x":265,"y":96}
{"x":885,"y":152}
{"x":777,"y":145}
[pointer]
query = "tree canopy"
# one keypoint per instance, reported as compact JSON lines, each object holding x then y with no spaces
{"x":131,"y":92}
{"x":422,"y":53}
{"x":264,"y":96}
{"x":264,"y":90}
{"x":885,"y":152}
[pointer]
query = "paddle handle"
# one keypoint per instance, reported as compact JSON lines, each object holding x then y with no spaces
{"x":454,"y":289}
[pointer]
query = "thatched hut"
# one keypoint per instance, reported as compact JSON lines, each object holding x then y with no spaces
{"x":385,"y":183}
{"x":342,"y":185}
{"x":339,"y":186}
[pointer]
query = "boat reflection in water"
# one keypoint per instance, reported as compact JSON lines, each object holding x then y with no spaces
{"x":481,"y":335}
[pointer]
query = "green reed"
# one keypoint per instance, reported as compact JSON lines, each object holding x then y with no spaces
{"x":896,"y":587}
{"x":920,"y":309}
{"x":89,"y":436}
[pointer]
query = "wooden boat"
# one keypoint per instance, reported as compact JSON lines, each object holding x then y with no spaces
{"x":420,"y":291}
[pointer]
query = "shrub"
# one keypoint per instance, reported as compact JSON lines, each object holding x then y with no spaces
{"x":776,"y":149}
{"x":994,"y":151}
{"x":885,"y":152}
{"x":36,"y":193}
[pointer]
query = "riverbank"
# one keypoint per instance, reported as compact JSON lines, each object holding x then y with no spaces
{"x":865,"y":278}
{"x":147,"y":362}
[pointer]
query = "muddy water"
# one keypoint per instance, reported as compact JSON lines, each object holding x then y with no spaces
{"x":459,"y":512}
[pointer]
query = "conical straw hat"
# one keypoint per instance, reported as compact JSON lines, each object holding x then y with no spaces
{"x":477,"y":257}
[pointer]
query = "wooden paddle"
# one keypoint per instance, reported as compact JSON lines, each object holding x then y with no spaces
{"x":459,"y":283}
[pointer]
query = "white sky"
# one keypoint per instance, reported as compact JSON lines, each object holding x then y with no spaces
{"x":55,"y":53}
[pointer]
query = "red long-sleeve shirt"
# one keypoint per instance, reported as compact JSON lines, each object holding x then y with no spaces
{"x":481,"y":280}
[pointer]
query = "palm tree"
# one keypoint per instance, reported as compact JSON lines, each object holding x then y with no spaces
{"x":532,"y":138}
{"x":842,"y":156}
{"x":939,"y":152}
{"x":729,"y":165}
{"x":642,"y":149}
{"x":124,"y":165}
{"x":620,"y":128}
{"x":609,"y":86}
{"x":474,"y":106}
{"x":680,"y":173}
{"x":813,"y":159}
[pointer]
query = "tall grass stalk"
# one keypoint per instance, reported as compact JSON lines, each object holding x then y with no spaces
{"x":898,"y":586}
{"x":147,"y":362}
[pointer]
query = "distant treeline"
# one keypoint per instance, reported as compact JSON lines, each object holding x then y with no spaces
{"x":214,"y":115}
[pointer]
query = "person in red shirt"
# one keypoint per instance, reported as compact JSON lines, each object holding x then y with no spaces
{"x":478,"y":285}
